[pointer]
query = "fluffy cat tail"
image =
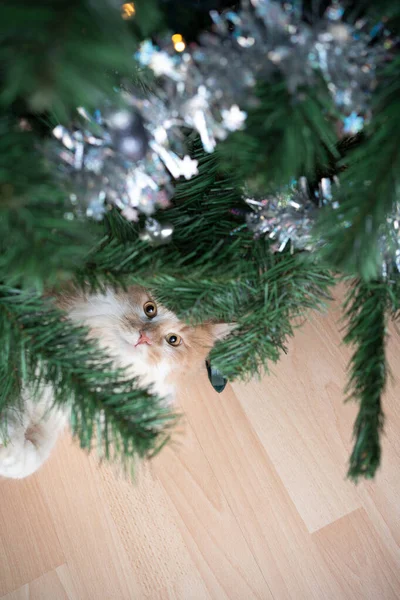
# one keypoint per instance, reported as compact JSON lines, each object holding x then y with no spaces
{"x":31,"y":437}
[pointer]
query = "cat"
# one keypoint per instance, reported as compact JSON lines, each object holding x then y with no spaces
{"x":140,"y":335}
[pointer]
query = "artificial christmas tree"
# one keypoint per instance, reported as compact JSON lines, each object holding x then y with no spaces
{"x":235,"y":169}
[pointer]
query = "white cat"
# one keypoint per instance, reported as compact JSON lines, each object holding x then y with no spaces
{"x":140,"y":335}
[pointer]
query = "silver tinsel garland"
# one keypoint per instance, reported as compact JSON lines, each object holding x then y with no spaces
{"x":125,"y":157}
{"x":289,"y":216}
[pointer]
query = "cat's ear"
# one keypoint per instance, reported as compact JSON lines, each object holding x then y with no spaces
{"x":222,"y":330}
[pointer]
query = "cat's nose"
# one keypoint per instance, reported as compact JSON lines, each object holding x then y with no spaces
{"x":143,"y":339}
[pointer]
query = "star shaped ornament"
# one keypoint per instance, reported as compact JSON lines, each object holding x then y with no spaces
{"x":234,"y":118}
{"x":188,"y":167}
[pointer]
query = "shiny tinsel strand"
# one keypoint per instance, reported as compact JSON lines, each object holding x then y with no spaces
{"x":288,"y":217}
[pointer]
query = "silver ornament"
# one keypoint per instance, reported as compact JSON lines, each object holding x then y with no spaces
{"x":128,"y":134}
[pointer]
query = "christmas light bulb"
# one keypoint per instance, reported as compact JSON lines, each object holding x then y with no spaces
{"x":178,"y":42}
{"x":128,"y":10}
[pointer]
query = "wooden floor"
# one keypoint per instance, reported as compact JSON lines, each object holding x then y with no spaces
{"x":250,"y":502}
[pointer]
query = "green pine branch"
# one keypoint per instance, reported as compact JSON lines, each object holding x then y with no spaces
{"x":280,"y":295}
{"x":204,"y":234}
{"x":369,"y":189}
{"x":38,"y":244}
{"x":285,"y":137}
{"x":60,"y":55}
{"x":366,"y":306}
{"x":41,"y":347}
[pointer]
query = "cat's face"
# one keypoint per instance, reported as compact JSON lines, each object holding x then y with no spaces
{"x":156,"y":335}
{"x":145,"y":337}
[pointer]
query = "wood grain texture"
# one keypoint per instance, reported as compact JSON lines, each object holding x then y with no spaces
{"x":368,"y":572}
{"x":53,"y":585}
{"x":299,"y":416}
{"x":249,"y":502}
{"x":29,"y":546}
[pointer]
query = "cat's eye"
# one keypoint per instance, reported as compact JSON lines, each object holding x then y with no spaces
{"x":150,"y":309}
{"x":173,"y":339}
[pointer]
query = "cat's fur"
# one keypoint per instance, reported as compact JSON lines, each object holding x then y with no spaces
{"x":115,"y":320}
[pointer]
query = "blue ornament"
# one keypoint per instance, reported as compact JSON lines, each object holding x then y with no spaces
{"x":353,"y":123}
